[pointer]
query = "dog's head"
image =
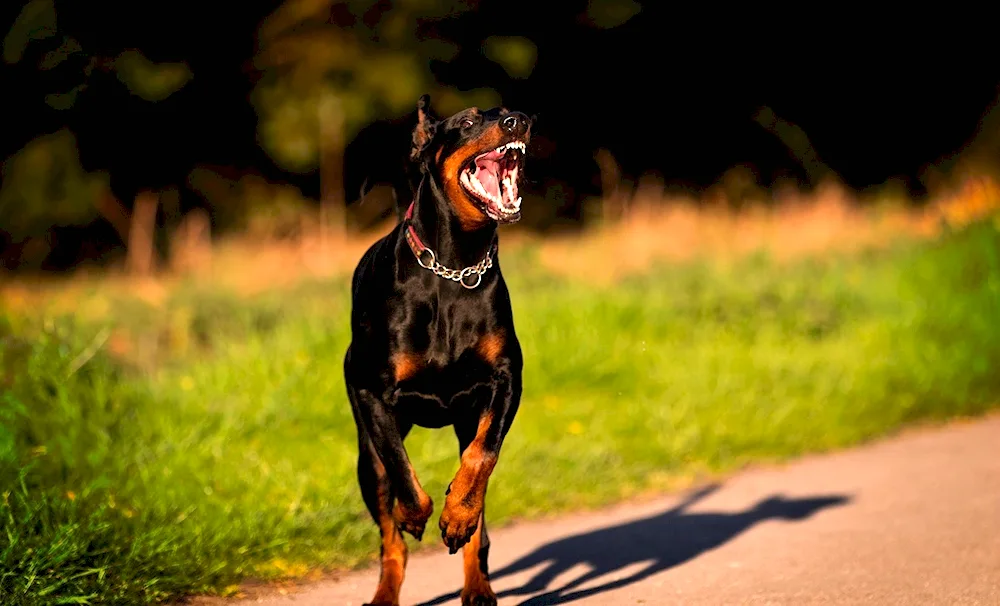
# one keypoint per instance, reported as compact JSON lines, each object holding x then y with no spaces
{"x":477,"y":157}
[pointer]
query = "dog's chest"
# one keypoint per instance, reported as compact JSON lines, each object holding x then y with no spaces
{"x":442,"y":334}
{"x":466,"y":360}
{"x":443,"y":363}
{"x":431,"y":392}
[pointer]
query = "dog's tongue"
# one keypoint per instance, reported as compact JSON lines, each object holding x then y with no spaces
{"x":487,"y":169}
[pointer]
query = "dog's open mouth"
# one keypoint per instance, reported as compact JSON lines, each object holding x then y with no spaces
{"x":491,"y":179}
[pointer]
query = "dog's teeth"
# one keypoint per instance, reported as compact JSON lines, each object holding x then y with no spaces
{"x":518,"y":145}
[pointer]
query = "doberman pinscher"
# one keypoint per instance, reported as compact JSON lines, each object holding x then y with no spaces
{"x":433,"y":340}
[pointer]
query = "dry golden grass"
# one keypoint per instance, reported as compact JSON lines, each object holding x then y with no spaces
{"x":658,"y":229}
{"x":654,"y":228}
{"x":240,"y":264}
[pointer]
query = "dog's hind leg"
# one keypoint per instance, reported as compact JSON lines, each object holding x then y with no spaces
{"x":413,"y":506}
{"x":377,"y":493}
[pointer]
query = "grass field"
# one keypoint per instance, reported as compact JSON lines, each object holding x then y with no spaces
{"x":151,"y":449}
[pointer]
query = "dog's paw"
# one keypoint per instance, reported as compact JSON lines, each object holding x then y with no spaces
{"x":479,"y":598}
{"x":458,"y":523}
{"x":384,"y":604}
{"x":414,"y":519}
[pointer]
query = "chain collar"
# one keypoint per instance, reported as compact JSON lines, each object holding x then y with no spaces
{"x":428,"y":260}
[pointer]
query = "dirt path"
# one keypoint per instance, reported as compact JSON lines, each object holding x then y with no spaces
{"x":910,"y":520}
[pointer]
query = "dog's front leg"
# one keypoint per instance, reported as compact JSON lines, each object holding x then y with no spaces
{"x":413,"y":505}
{"x":466,"y":494}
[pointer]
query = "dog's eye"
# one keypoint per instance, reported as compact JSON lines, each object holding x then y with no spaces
{"x":467,"y":124}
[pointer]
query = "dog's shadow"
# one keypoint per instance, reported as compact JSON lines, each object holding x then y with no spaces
{"x":662,"y":541}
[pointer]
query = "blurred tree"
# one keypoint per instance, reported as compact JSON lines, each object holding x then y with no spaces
{"x":795,"y":139}
{"x":38,"y":41}
{"x":360,"y":58}
{"x":330,"y":67}
{"x":45,"y":186}
{"x":149,"y":80}
{"x":606,"y":14}
{"x":44,"y":183}
{"x":516,"y":54}
{"x":35,"y":21}
{"x":147,"y":94}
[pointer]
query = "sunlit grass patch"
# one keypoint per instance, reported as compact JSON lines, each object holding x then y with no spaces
{"x":207,"y":438}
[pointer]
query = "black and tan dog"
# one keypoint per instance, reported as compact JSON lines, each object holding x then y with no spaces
{"x":433,"y":340}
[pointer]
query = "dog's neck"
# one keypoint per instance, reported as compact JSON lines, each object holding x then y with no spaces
{"x":440,"y":230}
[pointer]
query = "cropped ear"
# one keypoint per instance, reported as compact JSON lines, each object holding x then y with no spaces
{"x":426,"y":126}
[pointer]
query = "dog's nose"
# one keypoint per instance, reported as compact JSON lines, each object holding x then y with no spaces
{"x":515,"y":123}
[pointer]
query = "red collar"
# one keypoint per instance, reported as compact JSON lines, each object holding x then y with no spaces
{"x":416,"y":245}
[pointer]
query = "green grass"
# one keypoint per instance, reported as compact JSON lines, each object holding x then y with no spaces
{"x":229,"y":452}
